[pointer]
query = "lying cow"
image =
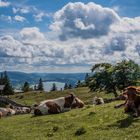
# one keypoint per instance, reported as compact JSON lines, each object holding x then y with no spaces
{"x":98,"y":101}
{"x":54,"y":106}
{"x":132,"y":102}
{"x":6,"y":112}
{"x":1,"y":114}
{"x":78,"y":103}
{"x":22,"y":110}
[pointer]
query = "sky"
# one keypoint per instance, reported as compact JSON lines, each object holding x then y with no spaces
{"x":67,"y":36}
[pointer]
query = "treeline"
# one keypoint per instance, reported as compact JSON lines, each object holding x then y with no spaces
{"x":39,"y":87}
{"x":7,"y":89}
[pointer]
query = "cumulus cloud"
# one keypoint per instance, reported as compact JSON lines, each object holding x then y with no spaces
{"x":32,"y":35}
{"x":85,"y":34}
{"x":4,"y":3}
{"x":83,"y":21}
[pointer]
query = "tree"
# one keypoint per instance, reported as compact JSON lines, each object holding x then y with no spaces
{"x":54,"y":88}
{"x":110,"y":78}
{"x":65,"y":86}
{"x":127,"y":73}
{"x":40,"y":85}
{"x":8,"y":90}
{"x":86,"y":79}
{"x":26,"y":87}
{"x":1,"y":79}
{"x":78,"y":84}
{"x":69,"y":86}
{"x":103,"y":78}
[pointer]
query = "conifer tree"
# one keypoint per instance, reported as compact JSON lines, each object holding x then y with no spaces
{"x":40,"y":85}
{"x":8,"y":90}
{"x":54,"y":88}
{"x":26,"y":87}
{"x":65,"y":86}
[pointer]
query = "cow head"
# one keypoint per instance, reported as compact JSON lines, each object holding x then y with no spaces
{"x":35,"y":110}
{"x":78,"y":103}
{"x":130,"y":92}
{"x":69,"y":100}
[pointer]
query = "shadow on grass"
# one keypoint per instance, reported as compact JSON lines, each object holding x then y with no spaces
{"x":124,"y":123}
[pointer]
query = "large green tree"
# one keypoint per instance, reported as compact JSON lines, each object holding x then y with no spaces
{"x":110,"y":78}
{"x":126,"y":73}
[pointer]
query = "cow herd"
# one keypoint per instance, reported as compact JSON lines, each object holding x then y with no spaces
{"x":63,"y":104}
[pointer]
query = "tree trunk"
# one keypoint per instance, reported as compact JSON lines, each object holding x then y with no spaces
{"x":115,"y":92}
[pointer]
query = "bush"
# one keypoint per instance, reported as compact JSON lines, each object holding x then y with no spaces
{"x":55,"y":128}
{"x":80,"y":131}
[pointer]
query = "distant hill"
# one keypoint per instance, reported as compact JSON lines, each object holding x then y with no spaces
{"x":18,"y":78}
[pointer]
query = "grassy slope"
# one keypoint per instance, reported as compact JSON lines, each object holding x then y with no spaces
{"x":100,"y":123}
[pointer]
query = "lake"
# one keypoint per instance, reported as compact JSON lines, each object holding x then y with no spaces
{"x":48,"y":85}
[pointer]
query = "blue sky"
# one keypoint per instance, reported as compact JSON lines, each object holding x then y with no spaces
{"x":67,"y":36}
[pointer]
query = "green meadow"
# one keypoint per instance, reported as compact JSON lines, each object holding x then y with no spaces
{"x":101,"y":122}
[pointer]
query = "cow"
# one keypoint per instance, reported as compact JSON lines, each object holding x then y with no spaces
{"x":132,"y":102}
{"x":6,"y":112}
{"x":98,"y":100}
{"x":1,"y":115}
{"x":54,"y":106}
{"x":78,"y":104}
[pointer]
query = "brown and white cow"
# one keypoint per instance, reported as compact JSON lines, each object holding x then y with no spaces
{"x":54,"y":106}
{"x":6,"y":112}
{"x":78,"y":104}
{"x":22,"y":110}
{"x":1,"y":115}
{"x":98,"y":100}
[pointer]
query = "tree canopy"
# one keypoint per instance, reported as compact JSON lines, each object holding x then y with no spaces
{"x":111,"y":78}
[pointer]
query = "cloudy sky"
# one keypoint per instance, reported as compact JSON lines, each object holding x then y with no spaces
{"x":67,"y":36}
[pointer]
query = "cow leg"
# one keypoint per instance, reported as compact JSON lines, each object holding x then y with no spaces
{"x":136,"y":112}
{"x":120,"y":105}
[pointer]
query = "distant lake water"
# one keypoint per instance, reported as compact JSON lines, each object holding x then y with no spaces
{"x":48,"y":85}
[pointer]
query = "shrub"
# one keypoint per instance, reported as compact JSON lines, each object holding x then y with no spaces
{"x":80,"y":131}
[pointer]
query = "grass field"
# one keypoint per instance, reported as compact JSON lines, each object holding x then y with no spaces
{"x":90,"y":123}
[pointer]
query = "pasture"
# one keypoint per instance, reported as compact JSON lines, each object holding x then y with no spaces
{"x":101,"y":122}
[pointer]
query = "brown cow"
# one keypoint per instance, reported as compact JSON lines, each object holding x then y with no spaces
{"x":132,"y":103}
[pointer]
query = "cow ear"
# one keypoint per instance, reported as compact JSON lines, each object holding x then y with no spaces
{"x":72,"y":95}
{"x":35,"y":105}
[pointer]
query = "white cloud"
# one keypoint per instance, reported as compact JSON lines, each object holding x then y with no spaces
{"x":83,"y":20}
{"x":4,"y":3}
{"x":39,"y":16}
{"x":22,"y":10}
{"x":6,"y":18}
{"x":32,"y":35}
{"x":19,"y":18}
